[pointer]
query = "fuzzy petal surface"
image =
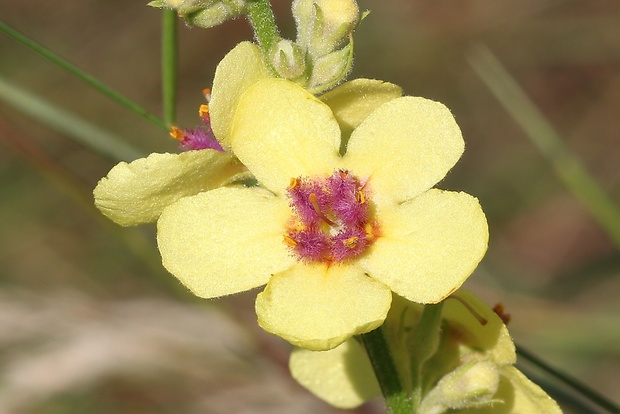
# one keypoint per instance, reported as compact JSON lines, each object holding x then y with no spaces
{"x":517,"y":395}
{"x":525,"y":396}
{"x":319,"y":307}
{"x":224,"y":241}
{"x":405,"y":146}
{"x":241,"y":68}
{"x":281,"y":132}
{"x":137,"y":192}
{"x":341,"y":376}
{"x":353,"y":101}
{"x":429,"y":245}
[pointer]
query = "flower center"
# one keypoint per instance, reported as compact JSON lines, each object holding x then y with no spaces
{"x":333,"y":218}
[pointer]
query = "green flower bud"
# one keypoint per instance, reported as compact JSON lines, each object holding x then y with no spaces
{"x":330,"y":69}
{"x":287,"y":58}
{"x":324,"y":25}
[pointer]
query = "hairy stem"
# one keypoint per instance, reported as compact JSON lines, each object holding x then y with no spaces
{"x":396,"y":398}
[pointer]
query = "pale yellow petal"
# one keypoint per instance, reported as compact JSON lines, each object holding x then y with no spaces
{"x":136,"y":193}
{"x":492,"y":338}
{"x":281,"y":131}
{"x":429,"y":245}
{"x":240,"y":69}
{"x":353,"y":101}
{"x":405,"y":146}
{"x":341,"y":376}
{"x":224,"y":241}
{"x":527,"y":397}
{"x":318,"y":307}
{"x":517,"y":395}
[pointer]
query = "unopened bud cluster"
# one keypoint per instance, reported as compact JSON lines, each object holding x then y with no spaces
{"x":203,"y":13}
{"x":322,"y":54}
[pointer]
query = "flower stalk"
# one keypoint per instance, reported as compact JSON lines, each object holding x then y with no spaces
{"x":169,"y":58}
{"x":396,"y":398}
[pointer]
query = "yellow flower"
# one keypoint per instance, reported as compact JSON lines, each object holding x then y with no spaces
{"x":137,"y":192}
{"x":471,"y":371}
{"x":331,"y":235}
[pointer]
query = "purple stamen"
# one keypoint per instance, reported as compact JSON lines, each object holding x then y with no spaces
{"x":311,"y":245}
{"x":330,"y":218}
{"x":350,"y":242}
{"x":199,"y":138}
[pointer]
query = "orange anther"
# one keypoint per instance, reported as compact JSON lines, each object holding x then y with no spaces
{"x":360,"y":197}
{"x":293,"y":183}
{"x":177,"y":134}
{"x":351,"y":242}
{"x":203,"y":111}
{"x":207,"y":93}
{"x":289,"y":241}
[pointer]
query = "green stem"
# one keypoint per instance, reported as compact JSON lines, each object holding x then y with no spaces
{"x":169,"y":65}
{"x":90,"y":80}
{"x":396,"y":398}
{"x":263,"y":22}
{"x":568,"y":167}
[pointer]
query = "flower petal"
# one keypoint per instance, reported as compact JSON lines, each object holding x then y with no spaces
{"x":224,"y":241}
{"x":353,"y":101}
{"x":281,"y":131}
{"x":240,"y":69}
{"x":341,"y":376}
{"x":492,"y":338}
{"x":136,"y":193}
{"x":318,"y":307}
{"x":522,"y":396}
{"x":429,"y":245}
{"x":405,"y":146}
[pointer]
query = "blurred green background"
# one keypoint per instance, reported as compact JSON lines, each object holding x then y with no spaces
{"x":91,"y":323}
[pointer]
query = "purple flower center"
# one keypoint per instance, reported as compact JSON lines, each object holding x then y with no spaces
{"x":333,"y":218}
{"x":198,"y":138}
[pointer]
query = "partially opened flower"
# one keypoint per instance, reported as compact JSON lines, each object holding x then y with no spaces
{"x":137,"y":192}
{"x":470,"y":372}
{"x":332,"y":229}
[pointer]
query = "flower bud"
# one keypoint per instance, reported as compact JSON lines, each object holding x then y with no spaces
{"x":287,"y":59}
{"x":203,"y":13}
{"x":324,"y":25}
{"x":330,"y":69}
{"x":471,"y":385}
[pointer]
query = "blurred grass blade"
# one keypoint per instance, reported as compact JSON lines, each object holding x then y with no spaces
{"x":90,"y":80}
{"x":85,"y":133}
{"x":169,"y":58}
{"x":135,"y":240}
{"x":567,"y":166}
